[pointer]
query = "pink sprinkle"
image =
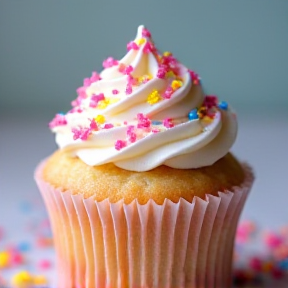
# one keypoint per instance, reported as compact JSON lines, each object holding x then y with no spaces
{"x":59,"y":120}
{"x":95,"y":99}
{"x":125,"y":122}
{"x":109,"y":62}
{"x":16,"y":258}
{"x":194,"y":77}
{"x":143,"y":121}
{"x":131,"y":80}
{"x":86,"y":82}
{"x":148,"y":48}
{"x":210,"y":101}
{"x":81,"y":91}
{"x":81,"y":133}
{"x":256,"y":264}
{"x":44,"y":264}
{"x":168,"y":93}
{"x":93,"y":125}
{"x":120,"y":144}
{"x":44,"y":241}
{"x":94,"y":77}
{"x":146,"y":33}
{"x":108,"y":126}
{"x":161,"y":73}
{"x":128,"y":89}
{"x":155,"y":130}
{"x":121,"y":67}
{"x":167,"y":122}
{"x":132,"y":45}
{"x":128,"y":70}
{"x":115,"y":91}
{"x":131,"y":135}
{"x":272,"y":240}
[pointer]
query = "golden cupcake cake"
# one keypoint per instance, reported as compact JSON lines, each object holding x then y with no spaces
{"x":143,"y":191}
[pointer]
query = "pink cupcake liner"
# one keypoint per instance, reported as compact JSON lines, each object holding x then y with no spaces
{"x":173,"y":245}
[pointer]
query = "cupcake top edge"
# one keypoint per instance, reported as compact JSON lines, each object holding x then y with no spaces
{"x":145,"y":110}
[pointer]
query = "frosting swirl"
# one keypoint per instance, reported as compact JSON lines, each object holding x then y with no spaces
{"x":144,"y":111}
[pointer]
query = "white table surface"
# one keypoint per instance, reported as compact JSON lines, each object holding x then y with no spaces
{"x":25,"y":140}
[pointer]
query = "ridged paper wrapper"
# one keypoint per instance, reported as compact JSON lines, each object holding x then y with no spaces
{"x":118,"y":245}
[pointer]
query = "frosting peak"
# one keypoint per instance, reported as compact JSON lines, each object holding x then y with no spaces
{"x":145,"y":110}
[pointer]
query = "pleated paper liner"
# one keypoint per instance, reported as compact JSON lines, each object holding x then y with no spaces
{"x":117,"y":245}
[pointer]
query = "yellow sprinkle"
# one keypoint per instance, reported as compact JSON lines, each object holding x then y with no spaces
{"x":40,"y":280}
{"x":176,"y":84}
{"x":113,"y":100}
{"x":4,"y":259}
{"x":154,"y":97}
{"x":170,"y":74}
{"x":103,"y":104}
{"x":207,"y":118}
{"x":100,"y":119}
{"x":140,"y":41}
{"x":166,"y":53}
{"x":22,"y":278}
{"x":145,"y":77}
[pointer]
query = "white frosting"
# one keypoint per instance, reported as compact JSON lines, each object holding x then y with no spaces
{"x":189,"y":144}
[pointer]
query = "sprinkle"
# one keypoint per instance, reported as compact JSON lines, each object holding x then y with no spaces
{"x":146,"y":33}
{"x":128,"y":89}
{"x":22,"y":278}
{"x":120,"y":144}
{"x":93,"y":125}
{"x":256,"y":264}
{"x":86,"y":82}
{"x":100,"y":119}
{"x":40,"y":280}
{"x":272,"y":240}
{"x":44,"y":264}
{"x":108,"y":126}
{"x":148,"y":47}
{"x":132,"y":46}
{"x":131,"y":80}
{"x":161,"y":73}
{"x":42,"y":241}
{"x":109,"y":62}
{"x":170,"y":74}
{"x":4,"y":259}
{"x":166,"y":54}
{"x":121,"y":67}
{"x":168,"y":93}
{"x":115,"y":91}
{"x":103,"y":104}
{"x":24,"y":246}
{"x":128,"y":70}
{"x":16,"y":258}
{"x":145,"y":78}
{"x":140,"y":41}
{"x":193,"y":114}
{"x":154,"y":97}
{"x":155,"y":130}
{"x":81,"y":91}
{"x":59,"y":120}
{"x":143,"y":121}
{"x":94,"y":77}
{"x":167,"y":122}
{"x":95,"y":99}
{"x":223,"y":105}
{"x":194,"y":77}
{"x":81,"y":133}
{"x":131,"y":135}
{"x":176,"y":84}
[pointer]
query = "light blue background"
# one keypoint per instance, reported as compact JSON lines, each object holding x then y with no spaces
{"x":238,"y":47}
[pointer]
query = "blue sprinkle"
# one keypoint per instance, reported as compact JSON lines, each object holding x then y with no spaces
{"x":61,"y":113}
{"x":24,"y":246}
{"x":25,"y":207}
{"x":284,"y":264}
{"x":193,"y":114}
{"x":156,"y":122}
{"x":223,"y":105}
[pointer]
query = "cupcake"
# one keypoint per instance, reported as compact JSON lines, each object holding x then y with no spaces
{"x":143,"y":191}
